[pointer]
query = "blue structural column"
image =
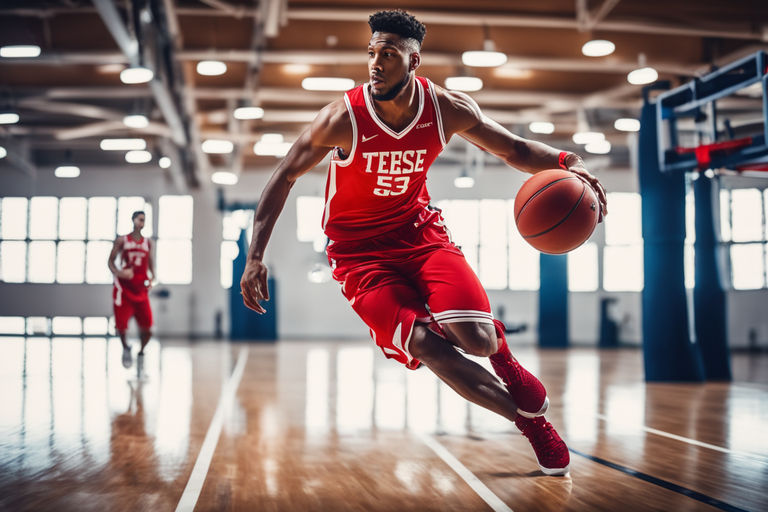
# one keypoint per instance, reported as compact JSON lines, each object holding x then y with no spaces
{"x":553,"y":301}
{"x":244,"y":323}
{"x":669,"y":353}
{"x":708,"y":293}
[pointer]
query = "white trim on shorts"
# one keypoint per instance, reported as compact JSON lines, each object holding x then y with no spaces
{"x":463,"y":315}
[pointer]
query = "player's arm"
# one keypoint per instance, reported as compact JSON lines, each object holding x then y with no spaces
{"x":330,"y":128}
{"x":151,"y":263}
{"x":117,"y":248}
{"x":462,"y":116}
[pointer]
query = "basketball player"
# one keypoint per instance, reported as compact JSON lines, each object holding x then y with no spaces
{"x":389,"y":250}
{"x":130,"y":293}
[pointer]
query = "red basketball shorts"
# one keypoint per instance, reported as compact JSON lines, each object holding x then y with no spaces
{"x":413,"y":274}
{"x":127,"y":305}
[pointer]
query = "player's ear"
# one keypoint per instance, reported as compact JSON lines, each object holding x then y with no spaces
{"x":415,"y":61}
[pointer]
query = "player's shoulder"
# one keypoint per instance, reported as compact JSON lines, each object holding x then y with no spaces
{"x":458,"y":109}
{"x":332,"y":125}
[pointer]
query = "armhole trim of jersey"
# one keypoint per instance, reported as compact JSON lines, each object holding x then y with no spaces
{"x":438,"y":114}
{"x":351,"y":155}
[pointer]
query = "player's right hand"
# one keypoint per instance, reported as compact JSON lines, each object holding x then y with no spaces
{"x":253,"y":285}
{"x":125,"y":273}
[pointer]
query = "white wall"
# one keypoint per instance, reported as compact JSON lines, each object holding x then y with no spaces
{"x":307,"y":310}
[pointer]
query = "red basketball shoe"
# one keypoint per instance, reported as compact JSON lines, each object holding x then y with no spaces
{"x":551,"y":451}
{"x":527,"y":391}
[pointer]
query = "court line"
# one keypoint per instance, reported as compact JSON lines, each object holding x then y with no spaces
{"x":709,"y":500}
{"x":199,"y":473}
{"x":692,"y":441}
{"x":479,"y":487}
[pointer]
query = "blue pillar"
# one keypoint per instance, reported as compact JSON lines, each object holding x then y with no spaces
{"x":553,"y":301}
{"x":708,"y":294}
{"x":669,"y":353}
{"x":244,"y":323}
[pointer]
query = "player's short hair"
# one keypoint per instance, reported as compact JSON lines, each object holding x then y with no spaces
{"x":137,"y":213}
{"x":398,"y":22}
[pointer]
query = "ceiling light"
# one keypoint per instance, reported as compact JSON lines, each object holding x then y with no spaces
{"x":541,"y":127}
{"x":483,"y":58}
{"x":9,"y":118}
{"x":218,"y":146}
{"x":249,"y":113}
{"x":122,"y":144}
{"x":587,"y":137}
{"x":296,"y":69}
{"x":19,"y":50}
{"x":626,"y":124}
{"x":224,"y":178}
{"x":67,"y":171}
{"x":164,"y":162}
{"x":642,"y":76}
{"x":464,"y":83}
{"x":598,"y":48}
{"x":3,"y":152}
{"x":136,"y":121}
{"x":599,"y":147}
{"x":138,"y":157}
{"x":211,"y":67}
{"x":110,"y":68}
{"x":508,"y":71}
{"x":320,"y":83}
{"x":464,"y":181}
{"x":271,"y":144}
{"x":136,"y":75}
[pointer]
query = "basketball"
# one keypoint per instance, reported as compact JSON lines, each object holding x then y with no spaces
{"x":556,"y":211}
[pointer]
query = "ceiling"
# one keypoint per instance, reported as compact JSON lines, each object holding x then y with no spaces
{"x":70,"y":97}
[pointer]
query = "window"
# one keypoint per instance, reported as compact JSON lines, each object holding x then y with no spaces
{"x":309,"y":226}
{"x":232,"y":224}
{"x":582,"y":268}
{"x":58,"y":325}
{"x":174,"y":244}
{"x":744,"y":232}
{"x":623,"y":251}
{"x":46,"y":239}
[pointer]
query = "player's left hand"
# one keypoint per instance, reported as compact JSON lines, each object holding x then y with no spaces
{"x":593,"y":182}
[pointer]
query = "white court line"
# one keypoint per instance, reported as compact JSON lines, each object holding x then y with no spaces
{"x":691,"y":441}
{"x":479,"y":487}
{"x":196,"y":480}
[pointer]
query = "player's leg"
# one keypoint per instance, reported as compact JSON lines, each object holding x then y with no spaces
{"x":143,"y":313}
{"x":459,"y":304}
{"x":123,"y":312}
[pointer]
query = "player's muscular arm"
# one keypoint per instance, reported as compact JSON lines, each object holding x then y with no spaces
{"x":331,"y":128}
{"x":462,"y":116}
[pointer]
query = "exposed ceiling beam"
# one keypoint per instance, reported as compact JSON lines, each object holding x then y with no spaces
{"x":494,"y":19}
{"x":130,"y":48}
{"x":599,"y":13}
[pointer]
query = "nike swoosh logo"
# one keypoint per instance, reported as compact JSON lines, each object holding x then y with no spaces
{"x":365,"y":139}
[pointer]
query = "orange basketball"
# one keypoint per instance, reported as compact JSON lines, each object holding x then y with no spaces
{"x":556,"y":211}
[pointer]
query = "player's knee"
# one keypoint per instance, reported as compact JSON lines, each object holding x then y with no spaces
{"x":421,"y":345}
{"x":473,"y":338}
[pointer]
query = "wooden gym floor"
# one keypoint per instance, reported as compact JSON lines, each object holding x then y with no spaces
{"x":322,"y":426}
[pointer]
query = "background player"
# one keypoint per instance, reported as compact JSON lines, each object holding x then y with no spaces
{"x":390,"y":252}
{"x":132,"y":282}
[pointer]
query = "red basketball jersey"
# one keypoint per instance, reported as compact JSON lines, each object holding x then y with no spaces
{"x":381,"y":184}
{"x":136,"y":256}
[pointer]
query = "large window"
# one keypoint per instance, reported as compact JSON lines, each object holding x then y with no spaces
{"x":232,"y":225}
{"x":68,"y":240}
{"x":57,"y":326}
{"x":744,"y":231}
{"x":174,"y":244}
{"x":623,"y":251}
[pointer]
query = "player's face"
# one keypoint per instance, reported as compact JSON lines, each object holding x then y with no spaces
{"x":138,"y":222}
{"x":389,"y":65}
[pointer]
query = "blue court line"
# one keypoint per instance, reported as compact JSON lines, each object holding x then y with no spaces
{"x":662,"y":483}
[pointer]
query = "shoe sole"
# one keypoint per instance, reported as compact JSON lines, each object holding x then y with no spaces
{"x":540,"y":412}
{"x":555,"y":471}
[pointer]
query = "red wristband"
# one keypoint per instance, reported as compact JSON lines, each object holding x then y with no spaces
{"x":561,"y":160}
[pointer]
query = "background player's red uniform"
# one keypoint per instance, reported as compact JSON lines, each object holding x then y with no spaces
{"x":392,"y":255}
{"x":131,"y":297}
